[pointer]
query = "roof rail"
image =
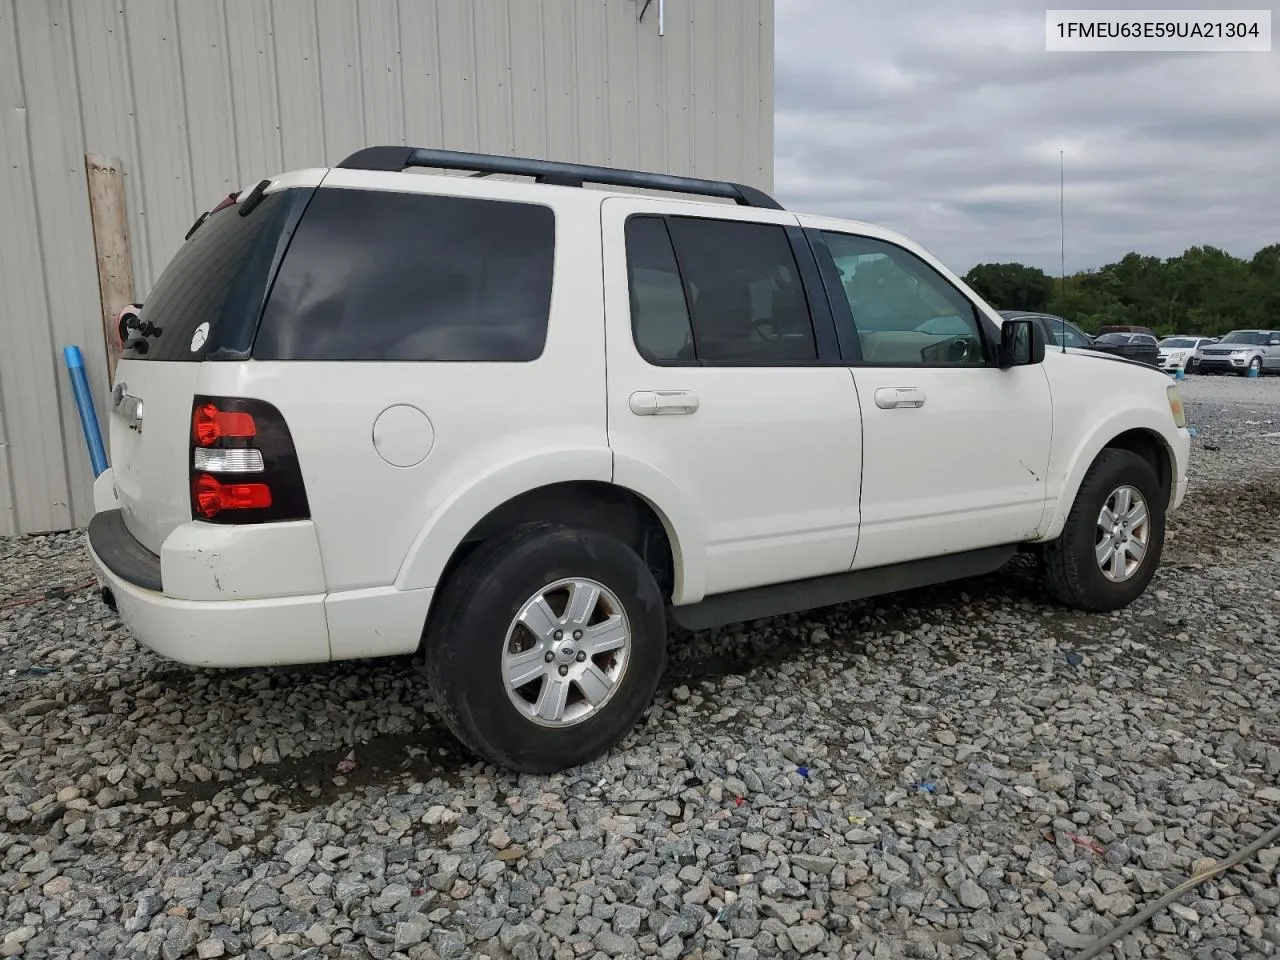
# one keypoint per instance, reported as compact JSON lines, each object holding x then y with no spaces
{"x":553,"y":172}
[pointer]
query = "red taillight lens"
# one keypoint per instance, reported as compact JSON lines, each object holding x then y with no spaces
{"x":209,"y":425}
{"x":212,"y":496}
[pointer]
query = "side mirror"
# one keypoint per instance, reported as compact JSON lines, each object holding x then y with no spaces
{"x":1274,"y":343}
{"x":1021,"y":343}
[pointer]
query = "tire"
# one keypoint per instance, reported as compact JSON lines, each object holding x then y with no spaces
{"x":472,"y":629}
{"x":1072,"y":574}
{"x":1254,"y":364}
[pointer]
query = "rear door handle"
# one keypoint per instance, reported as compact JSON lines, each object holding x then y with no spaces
{"x":887,"y":398}
{"x":656,"y":403}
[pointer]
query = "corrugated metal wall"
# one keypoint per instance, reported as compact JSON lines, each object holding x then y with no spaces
{"x":200,"y":97}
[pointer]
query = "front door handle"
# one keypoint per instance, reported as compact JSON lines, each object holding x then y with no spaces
{"x":655,"y":403}
{"x":887,"y":398}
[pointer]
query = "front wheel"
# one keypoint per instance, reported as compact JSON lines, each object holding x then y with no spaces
{"x":546,"y":646}
{"x":1111,"y":544}
{"x":1254,"y":369}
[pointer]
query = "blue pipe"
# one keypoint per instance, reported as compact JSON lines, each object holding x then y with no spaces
{"x":84,"y":402}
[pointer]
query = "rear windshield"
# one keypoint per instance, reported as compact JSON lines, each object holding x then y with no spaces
{"x":216,"y":280}
{"x":379,"y":275}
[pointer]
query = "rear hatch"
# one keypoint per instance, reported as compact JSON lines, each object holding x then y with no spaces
{"x":205,"y":307}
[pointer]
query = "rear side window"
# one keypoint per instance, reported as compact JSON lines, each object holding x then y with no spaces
{"x":378,"y":275}
{"x":659,"y":314}
{"x":219,"y":275}
{"x":721,"y":292}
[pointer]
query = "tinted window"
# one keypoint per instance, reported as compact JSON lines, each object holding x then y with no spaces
{"x":377,"y":275}
{"x":222,"y":270}
{"x":905,"y":312}
{"x":659,"y":314}
{"x":741,"y":290}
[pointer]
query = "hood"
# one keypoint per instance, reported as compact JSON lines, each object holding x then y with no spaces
{"x":1099,"y":353}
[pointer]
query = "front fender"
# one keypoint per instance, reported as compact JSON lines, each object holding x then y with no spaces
{"x":1174,"y":442}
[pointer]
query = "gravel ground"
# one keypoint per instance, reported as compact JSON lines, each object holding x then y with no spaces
{"x":962,"y":771}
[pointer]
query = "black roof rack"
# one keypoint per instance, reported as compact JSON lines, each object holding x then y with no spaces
{"x":553,"y":172}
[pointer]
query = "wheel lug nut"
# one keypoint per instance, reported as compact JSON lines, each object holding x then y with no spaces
{"x":549,"y":657}
{"x":564,"y":671}
{"x":559,"y":634}
{"x":581,"y":656}
{"x":577,"y":634}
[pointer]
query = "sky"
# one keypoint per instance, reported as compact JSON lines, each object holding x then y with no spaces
{"x":943,"y":119}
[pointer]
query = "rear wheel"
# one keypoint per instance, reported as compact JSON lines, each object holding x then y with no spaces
{"x":546,"y":646}
{"x":1111,"y":545}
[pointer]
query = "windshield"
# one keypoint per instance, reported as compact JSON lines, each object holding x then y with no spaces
{"x":1253,"y":337}
{"x":1177,"y":343}
{"x":1116,"y":338}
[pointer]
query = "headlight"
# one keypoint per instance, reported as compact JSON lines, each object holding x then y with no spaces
{"x":1175,"y":407}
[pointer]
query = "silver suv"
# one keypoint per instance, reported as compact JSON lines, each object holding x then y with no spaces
{"x":1240,"y":351}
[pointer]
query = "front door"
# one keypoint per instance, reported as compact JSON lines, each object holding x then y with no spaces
{"x":955,"y":449}
{"x":728,"y":398}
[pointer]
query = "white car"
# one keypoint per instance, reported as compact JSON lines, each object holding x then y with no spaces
{"x":1242,"y":352}
{"x":519,"y":427}
{"x":1176,"y":352}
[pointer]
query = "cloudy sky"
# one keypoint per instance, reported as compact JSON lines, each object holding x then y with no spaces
{"x":943,"y":119}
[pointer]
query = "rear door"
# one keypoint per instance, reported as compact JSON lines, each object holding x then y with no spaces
{"x":205,"y":306}
{"x":725,"y":380}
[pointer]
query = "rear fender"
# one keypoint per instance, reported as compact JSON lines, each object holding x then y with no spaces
{"x":452,"y":521}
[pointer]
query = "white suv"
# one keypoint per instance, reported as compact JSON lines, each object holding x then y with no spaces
{"x":519,"y":427}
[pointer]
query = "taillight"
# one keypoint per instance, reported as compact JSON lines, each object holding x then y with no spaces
{"x":243,"y":465}
{"x":210,"y":424}
{"x":213,"y":496}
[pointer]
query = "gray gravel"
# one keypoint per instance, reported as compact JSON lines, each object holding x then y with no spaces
{"x":963,"y":771}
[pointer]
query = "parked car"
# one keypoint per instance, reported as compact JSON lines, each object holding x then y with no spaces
{"x":518,"y":428}
{"x":1057,"y":330}
{"x":1240,"y":351}
{"x":1176,"y":352}
{"x":1132,"y":346}
{"x":1125,"y":328}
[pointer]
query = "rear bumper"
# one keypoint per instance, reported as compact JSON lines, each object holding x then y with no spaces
{"x":220,"y":633}
{"x":249,"y":596}
{"x":262,"y":631}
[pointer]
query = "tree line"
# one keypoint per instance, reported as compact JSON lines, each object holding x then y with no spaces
{"x":1205,"y":291}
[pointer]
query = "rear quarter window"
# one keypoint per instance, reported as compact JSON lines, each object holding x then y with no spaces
{"x":381,"y":275}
